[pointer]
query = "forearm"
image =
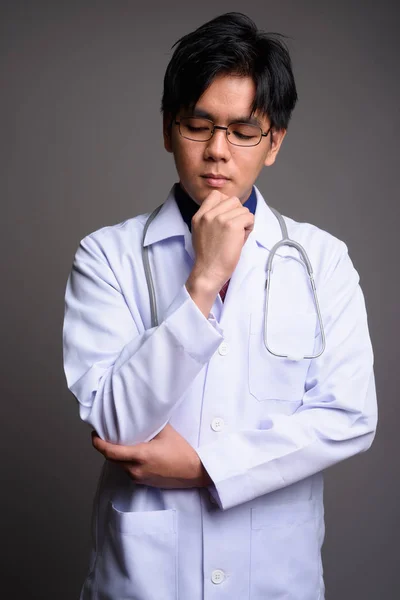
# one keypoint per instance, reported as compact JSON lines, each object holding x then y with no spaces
{"x":248,"y":464}
{"x":127,"y":390}
{"x":336,"y":419}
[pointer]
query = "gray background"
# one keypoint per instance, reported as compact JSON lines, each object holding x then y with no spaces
{"x":81,"y":147}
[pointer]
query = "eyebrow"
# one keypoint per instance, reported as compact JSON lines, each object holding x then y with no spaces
{"x":251,"y":120}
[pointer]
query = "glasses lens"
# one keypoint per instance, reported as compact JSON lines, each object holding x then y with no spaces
{"x":196,"y":129}
{"x":243,"y":134}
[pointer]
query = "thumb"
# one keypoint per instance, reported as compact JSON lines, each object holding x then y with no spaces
{"x":116,"y":452}
{"x":247,"y":232}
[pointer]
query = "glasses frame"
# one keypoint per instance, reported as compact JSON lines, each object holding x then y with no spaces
{"x":214,"y":127}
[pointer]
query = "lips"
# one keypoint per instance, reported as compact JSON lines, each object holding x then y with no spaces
{"x":213,"y":180}
{"x":214,"y":176}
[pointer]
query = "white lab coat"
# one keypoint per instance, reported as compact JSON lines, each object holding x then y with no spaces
{"x":264,"y":427}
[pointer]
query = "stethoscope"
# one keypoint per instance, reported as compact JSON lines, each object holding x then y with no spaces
{"x":285,"y":241}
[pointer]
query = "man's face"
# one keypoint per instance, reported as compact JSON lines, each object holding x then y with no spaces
{"x":228,"y":99}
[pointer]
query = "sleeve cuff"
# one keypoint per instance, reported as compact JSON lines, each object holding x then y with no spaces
{"x":187,"y":324}
{"x":233,"y":482}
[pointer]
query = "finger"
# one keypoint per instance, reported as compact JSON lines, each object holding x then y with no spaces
{"x":247,"y":231}
{"x":236,"y":219}
{"x":116,"y":452}
{"x":99,"y":444}
{"x":120,"y":453}
{"x":212,"y":200}
{"x":245,"y":220}
{"x":104,"y":447}
{"x":96,"y":440}
{"x":223,"y":217}
{"x":223,"y":207}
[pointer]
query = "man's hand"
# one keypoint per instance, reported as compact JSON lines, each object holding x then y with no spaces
{"x":168,"y":461}
{"x":220,"y":229}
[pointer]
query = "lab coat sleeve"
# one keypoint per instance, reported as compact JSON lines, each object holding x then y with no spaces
{"x":128,"y":382}
{"x":336,"y":420}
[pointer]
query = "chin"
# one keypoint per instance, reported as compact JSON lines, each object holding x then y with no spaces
{"x":197,"y":196}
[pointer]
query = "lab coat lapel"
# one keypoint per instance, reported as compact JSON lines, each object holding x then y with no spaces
{"x":169,"y":223}
{"x":246,"y":265}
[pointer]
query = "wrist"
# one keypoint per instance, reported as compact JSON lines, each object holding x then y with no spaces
{"x":199,"y":474}
{"x":202,"y":282}
{"x":205,"y":479}
{"x":203,"y":291}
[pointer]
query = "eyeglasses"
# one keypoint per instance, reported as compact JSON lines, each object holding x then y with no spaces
{"x":239,"y":134}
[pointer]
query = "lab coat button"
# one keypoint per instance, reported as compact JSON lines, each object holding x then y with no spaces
{"x":223,"y":349}
{"x":217,"y":576}
{"x":217,"y":424}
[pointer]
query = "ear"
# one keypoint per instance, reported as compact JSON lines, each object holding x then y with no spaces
{"x":276,"y":137}
{"x":167,"y":132}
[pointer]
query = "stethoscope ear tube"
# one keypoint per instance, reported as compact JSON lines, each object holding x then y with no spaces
{"x":147,"y":269}
{"x":307,"y":265}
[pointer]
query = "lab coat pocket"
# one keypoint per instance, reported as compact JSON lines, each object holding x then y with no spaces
{"x":285,"y":553}
{"x":139,"y":556}
{"x":272,"y":377}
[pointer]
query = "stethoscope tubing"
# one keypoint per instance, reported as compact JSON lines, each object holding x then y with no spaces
{"x":285,"y":241}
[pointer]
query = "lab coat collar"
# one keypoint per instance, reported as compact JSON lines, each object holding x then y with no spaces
{"x":267,"y":231}
{"x":169,"y":223}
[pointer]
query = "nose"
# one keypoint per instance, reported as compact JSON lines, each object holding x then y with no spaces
{"x":217,"y":148}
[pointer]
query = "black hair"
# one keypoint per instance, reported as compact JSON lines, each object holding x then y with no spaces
{"x":231,"y":44}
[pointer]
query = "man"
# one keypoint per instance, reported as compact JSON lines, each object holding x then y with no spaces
{"x":217,"y":403}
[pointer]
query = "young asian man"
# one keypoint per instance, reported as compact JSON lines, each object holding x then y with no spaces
{"x":217,"y":402}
